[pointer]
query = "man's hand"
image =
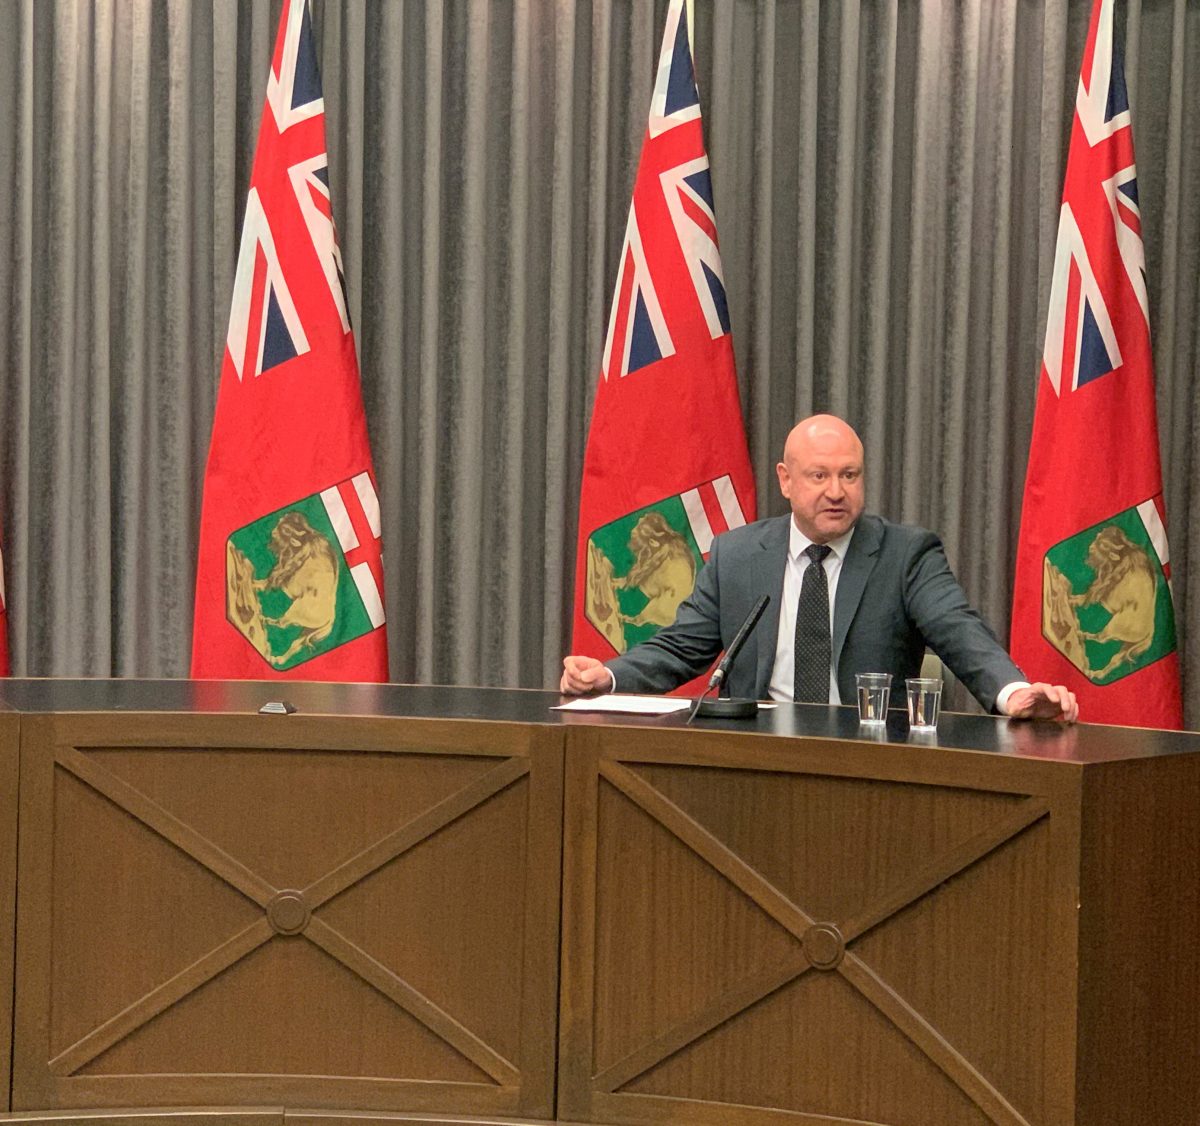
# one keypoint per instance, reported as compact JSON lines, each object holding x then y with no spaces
{"x":1044,"y":701}
{"x":584,"y":674}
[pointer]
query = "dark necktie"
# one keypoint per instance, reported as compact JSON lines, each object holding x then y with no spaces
{"x":814,"y":650}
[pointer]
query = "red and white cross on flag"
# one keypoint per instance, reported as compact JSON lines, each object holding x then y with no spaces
{"x":289,"y":580}
{"x":353,"y":510}
{"x":666,"y":464}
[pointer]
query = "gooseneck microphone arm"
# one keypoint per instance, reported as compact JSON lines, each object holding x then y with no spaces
{"x":739,"y":640}
{"x":735,"y":647}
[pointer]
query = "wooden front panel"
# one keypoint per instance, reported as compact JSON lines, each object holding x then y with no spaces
{"x":1139,"y":1001}
{"x":291,"y":911}
{"x":9,"y":734}
{"x":816,"y":932}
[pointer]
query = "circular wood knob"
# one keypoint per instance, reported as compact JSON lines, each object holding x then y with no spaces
{"x":288,"y":913}
{"x":824,"y":946}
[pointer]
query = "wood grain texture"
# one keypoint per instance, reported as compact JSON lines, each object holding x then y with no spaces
{"x":349,"y":913}
{"x":842,"y":934}
{"x":1139,"y":1001}
{"x":10,"y":728}
{"x":364,"y":919}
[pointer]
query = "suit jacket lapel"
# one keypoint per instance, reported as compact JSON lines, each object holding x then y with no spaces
{"x":769,"y":566}
{"x":856,"y":569}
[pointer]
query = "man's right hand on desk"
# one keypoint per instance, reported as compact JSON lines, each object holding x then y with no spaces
{"x":584,"y":674}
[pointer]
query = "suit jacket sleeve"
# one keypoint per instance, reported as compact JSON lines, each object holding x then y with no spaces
{"x":938,"y":607}
{"x":685,"y":648}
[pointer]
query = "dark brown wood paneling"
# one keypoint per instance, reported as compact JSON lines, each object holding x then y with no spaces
{"x":10,"y":727}
{"x":837,"y":933}
{"x":356,"y":911}
{"x":300,"y":911}
{"x":1139,"y":997}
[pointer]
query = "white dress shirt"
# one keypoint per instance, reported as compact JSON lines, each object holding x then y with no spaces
{"x":783,"y":675}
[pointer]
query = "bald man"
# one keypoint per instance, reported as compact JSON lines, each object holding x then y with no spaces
{"x":886,"y":590}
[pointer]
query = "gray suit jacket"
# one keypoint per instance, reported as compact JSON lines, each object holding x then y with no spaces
{"x":896,"y":596}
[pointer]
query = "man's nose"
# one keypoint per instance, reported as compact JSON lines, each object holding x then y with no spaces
{"x":836,"y":487}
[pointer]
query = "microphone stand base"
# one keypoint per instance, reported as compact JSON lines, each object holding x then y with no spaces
{"x":728,"y":708}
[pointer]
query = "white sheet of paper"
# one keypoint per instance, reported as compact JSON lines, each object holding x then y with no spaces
{"x":624,"y":705}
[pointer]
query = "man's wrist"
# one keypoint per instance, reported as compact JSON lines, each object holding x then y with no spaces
{"x":1005,"y":693}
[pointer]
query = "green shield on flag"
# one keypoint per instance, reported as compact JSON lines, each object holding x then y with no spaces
{"x":1106,"y":602}
{"x":639,"y":569}
{"x":288,"y":588}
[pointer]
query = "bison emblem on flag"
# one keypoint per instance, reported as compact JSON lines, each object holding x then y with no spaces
{"x":1106,"y":596}
{"x":300,"y":581}
{"x":642,"y":566}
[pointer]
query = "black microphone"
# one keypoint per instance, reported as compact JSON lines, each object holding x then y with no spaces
{"x":730,"y":709}
{"x":739,"y":639}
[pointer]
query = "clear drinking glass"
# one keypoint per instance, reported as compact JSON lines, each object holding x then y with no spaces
{"x":924,"y":702}
{"x":874,"y":688}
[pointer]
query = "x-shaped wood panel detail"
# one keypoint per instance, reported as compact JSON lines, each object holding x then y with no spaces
{"x":818,"y":944}
{"x":287,"y":911}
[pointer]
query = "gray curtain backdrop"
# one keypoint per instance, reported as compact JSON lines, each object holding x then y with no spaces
{"x":887,"y":177}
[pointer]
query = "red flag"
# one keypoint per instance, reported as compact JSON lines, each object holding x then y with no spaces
{"x":666,"y":467}
{"x":1092,"y":606}
{"x":289,"y":581}
{"x":5,"y":664}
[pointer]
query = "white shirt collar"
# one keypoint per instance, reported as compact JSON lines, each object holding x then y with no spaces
{"x":798,"y":542}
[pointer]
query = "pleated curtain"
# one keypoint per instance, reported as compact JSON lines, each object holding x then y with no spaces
{"x":887,"y":177}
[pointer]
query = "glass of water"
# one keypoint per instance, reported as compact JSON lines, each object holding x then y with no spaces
{"x":924,"y":702}
{"x":874,"y":688}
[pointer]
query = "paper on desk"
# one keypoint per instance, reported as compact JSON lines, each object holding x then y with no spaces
{"x":624,"y":705}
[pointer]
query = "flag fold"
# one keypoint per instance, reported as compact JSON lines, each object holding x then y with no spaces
{"x":289,"y":579}
{"x":1092,"y":604}
{"x":666,"y":467}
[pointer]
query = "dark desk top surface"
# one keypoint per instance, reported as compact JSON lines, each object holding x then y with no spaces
{"x":1083,"y":743}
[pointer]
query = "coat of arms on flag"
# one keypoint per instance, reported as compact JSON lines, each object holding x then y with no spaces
{"x":294,"y":588}
{"x":289,"y":580}
{"x":1106,"y":596}
{"x":666,"y":466}
{"x":642,"y":566}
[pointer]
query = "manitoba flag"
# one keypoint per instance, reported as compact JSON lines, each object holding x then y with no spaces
{"x":289,"y":581}
{"x":1092,"y":606}
{"x":666,"y":466}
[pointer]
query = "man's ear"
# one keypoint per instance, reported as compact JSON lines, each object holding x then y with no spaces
{"x":785,"y":479}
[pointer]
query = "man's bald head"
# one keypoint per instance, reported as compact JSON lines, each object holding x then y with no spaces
{"x":821,"y":474}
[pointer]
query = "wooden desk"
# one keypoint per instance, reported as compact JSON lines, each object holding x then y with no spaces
{"x":809,"y":931}
{"x":309,"y":911}
{"x":353,"y":913}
